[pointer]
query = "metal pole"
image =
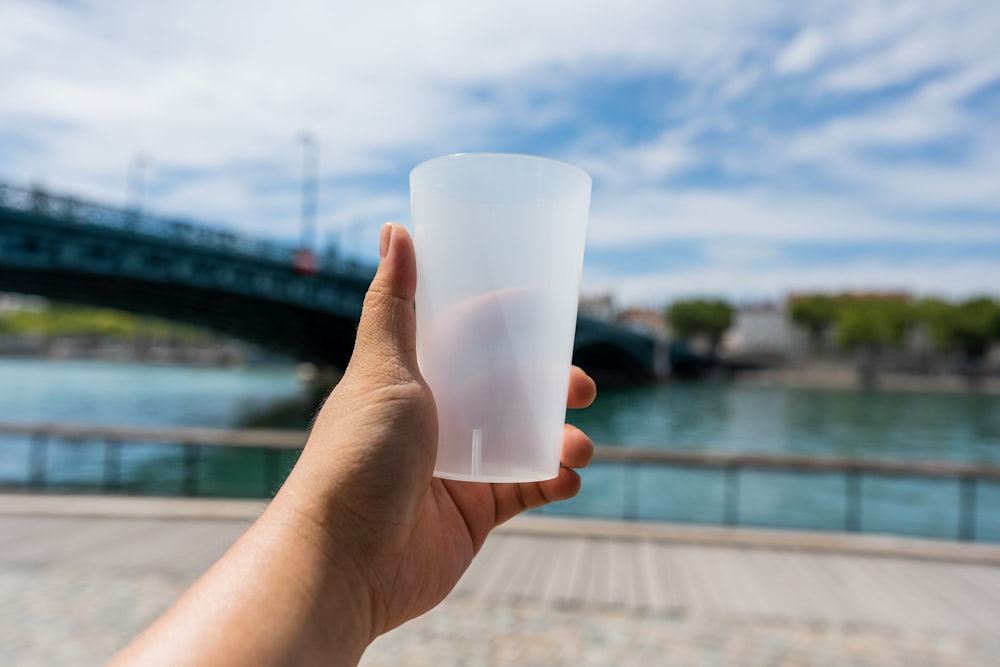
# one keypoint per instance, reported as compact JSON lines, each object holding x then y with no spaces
{"x":852,"y":510}
{"x":631,"y":501}
{"x":731,"y":500}
{"x":112,"y":465}
{"x":190,"y":469}
{"x":136,"y":181}
{"x":967,"y":509}
{"x":272,"y":459}
{"x":39,"y":447}
{"x":310,"y":183}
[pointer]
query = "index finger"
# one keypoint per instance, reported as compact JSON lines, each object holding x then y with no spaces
{"x":582,"y":389}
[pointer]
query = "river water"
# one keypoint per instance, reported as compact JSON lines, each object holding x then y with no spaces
{"x":705,"y":417}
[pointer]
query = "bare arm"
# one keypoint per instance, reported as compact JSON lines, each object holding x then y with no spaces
{"x":361,"y":537}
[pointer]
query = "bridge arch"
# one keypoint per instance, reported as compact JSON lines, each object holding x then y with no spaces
{"x":65,"y":249}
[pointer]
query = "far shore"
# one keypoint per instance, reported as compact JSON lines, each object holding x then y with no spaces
{"x":223,"y":352}
{"x":828,"y":376}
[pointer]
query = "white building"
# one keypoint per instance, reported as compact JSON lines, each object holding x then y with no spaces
{"x":764,"y":329}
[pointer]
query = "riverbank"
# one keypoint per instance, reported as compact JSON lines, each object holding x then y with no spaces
{"x":159,"y":352}
{"x":827,"y":375}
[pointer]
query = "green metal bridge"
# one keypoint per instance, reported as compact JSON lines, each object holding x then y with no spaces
{"x":275,"y":295}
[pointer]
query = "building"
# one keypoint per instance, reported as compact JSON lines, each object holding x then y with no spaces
{"x":764,"y":329}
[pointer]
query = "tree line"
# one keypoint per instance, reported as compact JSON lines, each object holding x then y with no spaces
{"x":969,"y":327}
{"x":53,"y":319}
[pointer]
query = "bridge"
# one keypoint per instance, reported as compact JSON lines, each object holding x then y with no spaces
{"x":263,"y":292}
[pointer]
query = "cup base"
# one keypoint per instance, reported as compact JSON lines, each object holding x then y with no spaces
{"x":515,"y":477}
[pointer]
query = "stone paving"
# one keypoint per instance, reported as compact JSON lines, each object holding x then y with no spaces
{"x":80,"y":615}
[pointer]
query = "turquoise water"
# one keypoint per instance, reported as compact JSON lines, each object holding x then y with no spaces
{"x":121,"y":393}
{"x":706,"y":417}
{"x":111,"y":393}
{"x":732,"y":418}
{"x":817,"y":422}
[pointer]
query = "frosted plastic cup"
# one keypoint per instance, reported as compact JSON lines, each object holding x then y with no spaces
{"x":499,"y":241}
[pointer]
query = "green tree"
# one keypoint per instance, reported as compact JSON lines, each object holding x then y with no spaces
{"x":816,"y":313}
{"x":937,"y":316}
{"x":870,"y":325}
{"x":700,"y":317}
{"x":975,"y":327}
{"x":873,"y":323}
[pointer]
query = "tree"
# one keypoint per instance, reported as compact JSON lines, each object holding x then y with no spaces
{"x":969,"y":328}
{"x":700,"y":317}
{"x":873,"y":323}
{"x":937,"y":316}
{"x":870,"y":325}
{"x":815,"y":313}
{"x":975,"y":326}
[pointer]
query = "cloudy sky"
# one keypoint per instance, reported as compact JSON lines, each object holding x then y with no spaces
{"x":740,"y":149}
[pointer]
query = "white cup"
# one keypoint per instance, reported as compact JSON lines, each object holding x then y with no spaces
{"x":499,"y":241}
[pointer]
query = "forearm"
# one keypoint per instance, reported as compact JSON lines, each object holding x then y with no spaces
{"x":279,"y":596}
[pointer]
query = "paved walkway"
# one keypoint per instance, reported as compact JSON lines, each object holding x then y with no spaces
{"x":80,"y":576}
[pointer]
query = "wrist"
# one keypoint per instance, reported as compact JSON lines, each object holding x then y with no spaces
{"x":336,"y":603}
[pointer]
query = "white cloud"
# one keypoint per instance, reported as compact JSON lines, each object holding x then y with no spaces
{"x":950,"y":279}
{"x":802,"y":53}
{"x":637,"y":218}
{"x":216,"y":93}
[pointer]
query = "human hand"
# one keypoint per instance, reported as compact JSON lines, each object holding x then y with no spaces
{"x":361,"y":537}
{"x":364,"y":482}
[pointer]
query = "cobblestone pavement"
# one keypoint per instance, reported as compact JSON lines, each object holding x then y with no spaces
{"x":80,"y":616}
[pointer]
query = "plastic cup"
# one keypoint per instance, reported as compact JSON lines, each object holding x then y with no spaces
{"x":499,"y":241}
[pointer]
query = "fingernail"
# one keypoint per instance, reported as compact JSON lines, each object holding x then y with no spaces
{"x":384,"y":238}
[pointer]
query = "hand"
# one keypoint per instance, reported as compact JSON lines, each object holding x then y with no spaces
{"x":361,"y":537}
{"x":370,"y":458}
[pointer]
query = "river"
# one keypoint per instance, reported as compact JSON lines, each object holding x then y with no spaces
{"x":714,"y":417}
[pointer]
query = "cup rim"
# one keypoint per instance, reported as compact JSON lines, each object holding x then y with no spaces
{"x":501,"y":154}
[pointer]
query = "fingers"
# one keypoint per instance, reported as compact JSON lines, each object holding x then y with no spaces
{"x":387,"y":330}
{"x":563,"y":487}
{"x":577,"y":452}
{"x":578,"y":448}
{"x":582,"y":389}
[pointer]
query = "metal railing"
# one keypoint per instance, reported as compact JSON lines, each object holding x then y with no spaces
{"x":854,"y":470}
{"x":967,"y":475}
{"x":184,"y":232}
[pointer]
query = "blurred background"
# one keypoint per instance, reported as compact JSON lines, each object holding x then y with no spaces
{"x":793,"y":255}
{"x":737,"y":150}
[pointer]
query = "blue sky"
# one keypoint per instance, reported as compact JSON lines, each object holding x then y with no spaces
{"x":738,"y":149}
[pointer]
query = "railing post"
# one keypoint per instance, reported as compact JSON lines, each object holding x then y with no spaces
{"x":852,"y":497}
{"x":967,"y":508}
{"x":271,"y":459}
{"x":630,"y":507}
{"x":38,"y":461}
{"x":112,"y":465}
{"x":191,"y":452}
{"x":731,"y":498}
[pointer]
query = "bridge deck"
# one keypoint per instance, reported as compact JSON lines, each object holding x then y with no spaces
{"x":563,"y":566}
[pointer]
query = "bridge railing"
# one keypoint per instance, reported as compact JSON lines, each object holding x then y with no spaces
{"x":73,"y":210}
{"x":192,"y":441}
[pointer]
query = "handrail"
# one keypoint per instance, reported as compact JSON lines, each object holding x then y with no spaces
{"x":296,"y":439}
{"x":918,"y":468}
{"x":967,"y":474}
{"x":269,"y":438}
{"x":73,"y":210}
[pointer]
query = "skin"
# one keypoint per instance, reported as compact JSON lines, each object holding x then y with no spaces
{"x":361,"y":537}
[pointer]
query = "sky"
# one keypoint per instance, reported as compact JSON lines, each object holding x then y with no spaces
{"x":742,"y":150}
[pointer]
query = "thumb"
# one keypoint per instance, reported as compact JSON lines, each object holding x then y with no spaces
{"x":387,"y":332}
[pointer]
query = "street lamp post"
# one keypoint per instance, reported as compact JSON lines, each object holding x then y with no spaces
{"x":310,"y":177}
{"x":136,"y":181}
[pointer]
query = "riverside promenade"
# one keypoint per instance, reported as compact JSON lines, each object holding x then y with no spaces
{"x":80,"y":575}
